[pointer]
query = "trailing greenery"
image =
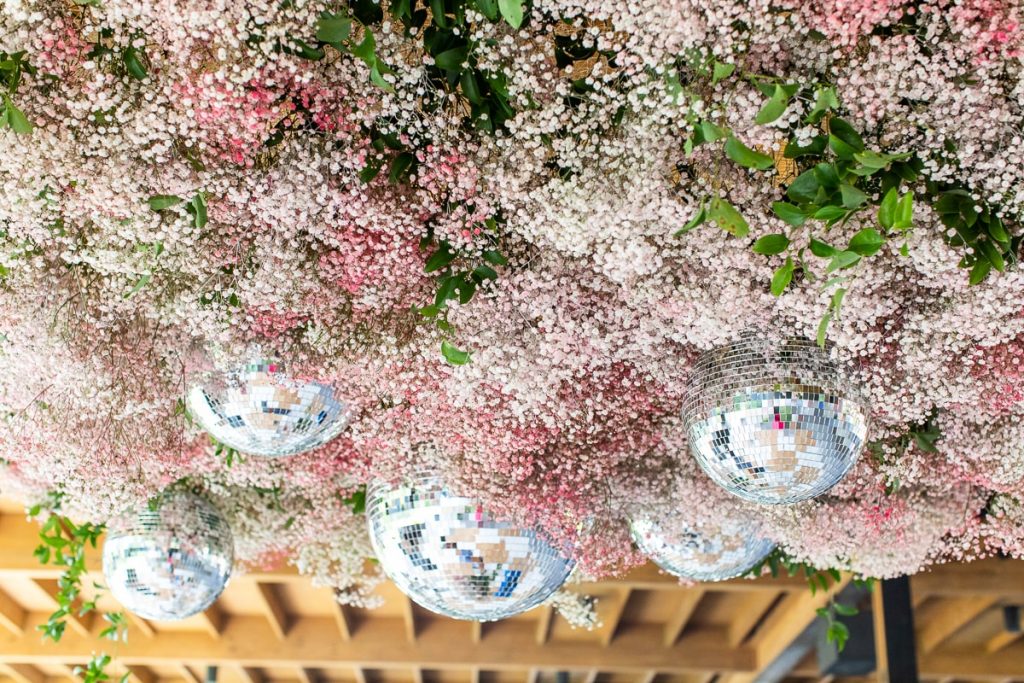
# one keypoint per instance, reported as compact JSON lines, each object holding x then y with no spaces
{"x":836,"y":632}
{"x":12,"y":66}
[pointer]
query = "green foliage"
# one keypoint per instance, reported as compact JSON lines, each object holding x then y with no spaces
{"x":13,"y":66}
{"x":357,"y":501}
{"x":96,"y":670}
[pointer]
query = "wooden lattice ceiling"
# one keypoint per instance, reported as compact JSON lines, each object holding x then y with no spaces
{"x":275,"y":627}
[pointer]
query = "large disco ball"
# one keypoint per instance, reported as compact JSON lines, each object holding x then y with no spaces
{"x":715,"y":552}
{"x":773,"y":422}
{"x":452,"y":556}
{"x":169,"y":562}
{"x":261,"y":410}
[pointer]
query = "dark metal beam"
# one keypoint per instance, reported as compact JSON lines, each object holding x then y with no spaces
{"x":898,"y":620}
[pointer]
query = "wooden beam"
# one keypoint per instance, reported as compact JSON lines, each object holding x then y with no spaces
{"x":545,"y":613}
{"x":946,"y":618}
{"x":591,"y":676}
{"x":791,"y":616}
{"x":614,"y":605}
{"x":342,"y":619}
{"x":476,"y":631}
{"x":359,"y":673}
{"x":313,"y":642}
{"x":973,"y":664}
{"x":250,"y":674}
{"x":188,"y":674}
{"x":689,"y":599}
{"x":753,"y":611}
{"x":24,"y":673}
{"x":409,"y":617}
{"x":417,"y":675}
{"x":1001,"y":640}
{"x":12,"y":616}
{"x":304,"y":675}
{"x":212,"y":619}
{"x":142,"y":674}
{"x":273,"y":609}
{"x":143,"y":626}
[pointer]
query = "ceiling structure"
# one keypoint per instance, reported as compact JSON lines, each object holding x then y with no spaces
{"x":274,"y":627}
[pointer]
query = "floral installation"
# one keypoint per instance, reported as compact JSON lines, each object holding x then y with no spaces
{"x":507,"y":229}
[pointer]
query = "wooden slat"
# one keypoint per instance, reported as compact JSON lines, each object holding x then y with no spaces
{"x":476,"y":631}
{"x":188,"y":674}
{"x":142,"y":674}
{"x":342,"y":619}
{"x":359,"y":673}
{"x":304,"y":675}
{"x":212,"y":619}
{"x":24,"y":673}
{"x":12,"y":616}
{"x":250,"y":674}
{"x":381,"y":643}
{"x":948,"y":617}
{"x":141,"y":625}
{"x":611,"y":610}
{"x":273,"y":609}
{"x":1001,"y":640}
{"x":689,"y":599}
{"x":754,"y":608}
{"x":545,"y":614}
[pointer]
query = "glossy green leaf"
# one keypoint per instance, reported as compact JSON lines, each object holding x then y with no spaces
{"x":867,"y":242}
{"x":980,"y":271}
{"x":454,"y":355}
{"x":139,"y":284}
{"x":470,"y":87}
{"x":711,"y":132}
{"x":439,"y":259}
{"x":992,"y":254}
{"x":452,"y":60}
{"x":725,"y":215}
{"x":511,"y":12}
{"x":133,"y":63}
{"x":697,"y":220}
{"x":721,"y":71}
{"x":847,"y":134}
{"x":904,"y":218}
{"x":804,"y":188}
{"x":400,"y":167}
{"x":822,"y":335}
{"x":160,"y":202}
{"x":841,"y":260}
{"x":782,"y":277}
{"x":17,"y":120}
{"x":774,"y":107}
{"x":887,"y":209}
{"x":790,"y":213}
{"x":746,"y":157}
{"x":852,"y":196}
{"x":769,"y":245}
{"x":333,"y":28}
{"x":830,"y":213}
{"x":821,"y":249}
{"x":495,"y":258}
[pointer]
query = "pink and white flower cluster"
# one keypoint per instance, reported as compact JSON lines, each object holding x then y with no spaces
{"x":567,"y":414}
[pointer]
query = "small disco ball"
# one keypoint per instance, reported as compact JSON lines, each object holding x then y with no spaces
{"x":773,"y":423}
{"x":260,"y":410}
{"x":170,"y":562}
{"x":714,"y":553}
{"x":448,"y":554}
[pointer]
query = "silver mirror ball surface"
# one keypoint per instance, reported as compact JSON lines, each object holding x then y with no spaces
{"x":169,"y":563}
{"x":260,"y":410}
{"x":451,"y":556}
{"x":773,"y":422}
{"x":714,"y":552}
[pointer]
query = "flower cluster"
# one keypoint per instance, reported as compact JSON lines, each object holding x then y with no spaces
{"x":195,"y":178}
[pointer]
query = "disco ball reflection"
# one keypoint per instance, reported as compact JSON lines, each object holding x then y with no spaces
{"x":261,"y":410}
{"x":170,"y":562}
{"x":450,"y":555}
{"x":714,"y":553}
{"x":773,"y":423}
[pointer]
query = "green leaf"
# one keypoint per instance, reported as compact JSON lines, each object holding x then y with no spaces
{"x":400,"y":166}
{"x":512,"y":12}
{"x":822,"y":250}
{"x":160,"y":202}
{"x":470,"y":88}
{"x":721,"y":71}
{"x":17,"y":120}
{"x":377,"y":77}
{"x":887,"y":209}
{"x":746,"y":157}
{"x":711,"y":132}
{"x":843,"y":259}
{"x":852,"y":197}
{"x":133,"y":62}
{"x":996,"y":230}
{"x":139,"y":284}
{"x":453,"y":355}
{"x":333,"y":28}
{"x":867,"y":242}
{"x":990,"y":252}
{"x":769,"y":245}
{"x":830,"y":213}
{"x":904,"y":219}
{"x":439,"y":259}
{"x":484,"y":272}
{"x":445,"y":290}
{"x":804,"y":188}
{"x":774,"y":107}
{"x":697,"y":220}
{"x":451,"y":60}
{"x":825,"y":101}
{"x":822,"y":335}
{"x":782,"y":277}
{"x":980,"y":271}
{"x":789,"y":213}
{"x":842,"y":130}
{"x":495,"y":258}
{"x":725,"y":215}
{"x":367,"y":48}
{"x":197,"y":207}
{"x":488,"y":8}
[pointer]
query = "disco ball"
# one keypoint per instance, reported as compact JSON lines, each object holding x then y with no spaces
{"x":773,"y":423}
{"x":714,"y":553}
{"x":170,"y":562}
{"x":452,"y":556}
{"x":262,"y":411}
